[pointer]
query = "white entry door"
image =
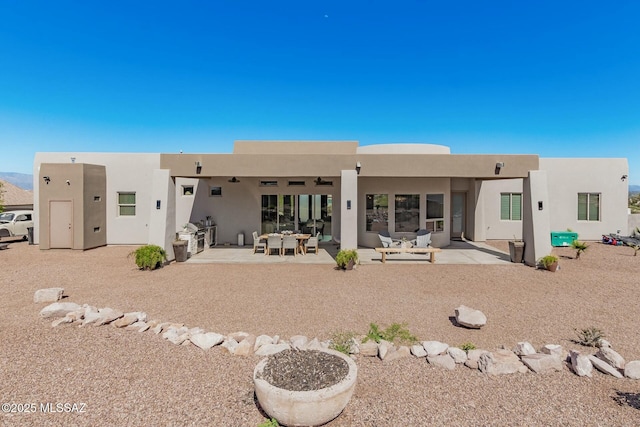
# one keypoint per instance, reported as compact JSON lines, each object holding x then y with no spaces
{"x":61,"y":224}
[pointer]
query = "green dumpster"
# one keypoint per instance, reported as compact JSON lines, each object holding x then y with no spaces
{"x":563,"y":238}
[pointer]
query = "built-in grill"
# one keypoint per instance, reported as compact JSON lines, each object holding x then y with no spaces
{"x":195,"y":236}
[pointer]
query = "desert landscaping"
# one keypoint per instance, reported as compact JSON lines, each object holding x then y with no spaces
{"x":121,"y":377}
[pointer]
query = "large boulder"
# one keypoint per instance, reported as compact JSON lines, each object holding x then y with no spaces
{"x":48,"y":295}
{"x":457,"y":354}
{"x":59,"y":309}
{"x":541,"y":362}
{"x":501,"y":362}
{"x":632,"y":370}
{"x":470,"y":318}
{"x":369,"y":348}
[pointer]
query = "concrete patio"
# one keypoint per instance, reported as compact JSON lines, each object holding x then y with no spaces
{"x":464,"y":252}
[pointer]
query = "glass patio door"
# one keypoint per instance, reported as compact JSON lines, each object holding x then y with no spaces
{"x":309,"y":213}
{"x":457,"y":215}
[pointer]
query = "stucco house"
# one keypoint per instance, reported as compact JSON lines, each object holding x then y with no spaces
{"x":345,"y":191}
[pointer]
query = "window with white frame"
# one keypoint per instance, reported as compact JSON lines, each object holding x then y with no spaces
{"x":435,"y":212}
{"x":511,"y":206}
{"x":126,"y":203}
{"x":588,"y":206}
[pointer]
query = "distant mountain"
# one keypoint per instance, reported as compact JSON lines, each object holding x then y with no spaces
{"x":22,"y":180}
{"x":634,"y":189}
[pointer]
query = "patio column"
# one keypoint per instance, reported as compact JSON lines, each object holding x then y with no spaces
{"x":349,"y":209}
{"x":162,"y":217}
{"x":536,"y":231}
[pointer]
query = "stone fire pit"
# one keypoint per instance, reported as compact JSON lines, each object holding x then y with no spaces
{"x":305,"y":387}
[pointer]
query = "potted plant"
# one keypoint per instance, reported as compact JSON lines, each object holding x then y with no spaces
{"x":549,"y":262}
{"x":149,"y":257}
{"x":346,"y":259}
{"x":579,"y":247}
{"x":305,"y":387}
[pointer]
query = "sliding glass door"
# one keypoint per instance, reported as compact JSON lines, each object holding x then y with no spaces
{"x":307,"y":213}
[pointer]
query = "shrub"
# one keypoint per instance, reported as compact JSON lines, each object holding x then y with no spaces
{"x":468,"y":346}
{"x":547,"y":260}
{"x":579,"y":247}
{"x":397,"y":332}
{"x":342,"y":342}
{"x":149,"y":257}
{"x":589,"y":337}
{"x":344,"y":256}
{"x":269,"y":423}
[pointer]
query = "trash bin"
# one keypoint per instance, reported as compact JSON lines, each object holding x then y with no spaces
{"x":516,"y":251}
{"x":241,"y":238}
{"x":30,"y":235}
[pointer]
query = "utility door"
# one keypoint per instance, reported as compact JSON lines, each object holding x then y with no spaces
{"x":458,"y":206}
{"x":61,"y":224}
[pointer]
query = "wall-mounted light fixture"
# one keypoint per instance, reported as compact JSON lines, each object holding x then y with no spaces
{"x":68,"y":182}
{"x":46,"y":179}
{"x":358,"y":167}
{"x":499,"y":166}
{"x":234,"y":180}
{"x":198,"y":167}
{"x":623,"y":178}
{"x":73,"y":160}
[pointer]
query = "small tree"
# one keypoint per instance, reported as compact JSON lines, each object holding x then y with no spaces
{"x":579,"y":247}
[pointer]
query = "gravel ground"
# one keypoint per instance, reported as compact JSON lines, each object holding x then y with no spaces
{"x":130,"y":378}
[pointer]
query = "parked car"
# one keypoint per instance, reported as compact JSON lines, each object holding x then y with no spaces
{"x":17,"y":222}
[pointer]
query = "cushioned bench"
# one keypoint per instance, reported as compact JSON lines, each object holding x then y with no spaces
{"x":398,"y":250}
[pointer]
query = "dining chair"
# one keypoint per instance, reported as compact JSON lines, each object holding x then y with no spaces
{"x":312,"y":243}
{"x":290,"y":242}
{"x":274,"y":242}
{"x":258,"y":243}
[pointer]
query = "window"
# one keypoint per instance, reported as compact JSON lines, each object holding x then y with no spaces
{"x":215,"y":191}
{"x":377,"y":212}
{"x":296,"y":183}
{"x":588,"y":206}
{"x":435,"y":212}
{"x":187,"y":190}
{"x":126,"y":204}
{"x":268,"y":183}
{"x":407,"y":213}
{"x":511,"y":206}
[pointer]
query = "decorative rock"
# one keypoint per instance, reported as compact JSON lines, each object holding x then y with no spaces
{"x":434,"y":348}
{"x":604,"y":367}
{"x":196,"y":330}
{"x":442,"y":361}
{"x":298,"y":341}
{"x":524,"y":348}
{"x":206,"y":341}
{"x":354,"y":347}
{"x":244,"y":348}
{"x":262,"y":340}
{"x":269,"y":349}
{"x":400,"y":353}
{"x":48,"y":295}
{"x":632,"y":370}
{"x":238,"y":336}
{"x":125,"y":320}
{"x":472,"y":358}
{"x":457,"y":354}
{"x":603,"y":343}
{"x":59,"y":309}
{"x":501,"y":362}
{"x":418,"y":351}
{"x":107,"y":315}
{"x":384,"y":348}
{"x":612,"y":357}
{"x":553,"y":349}
{"x":160,"y":327}
{"x":540,"y":362}
{"x":138,"y":326}
{"x":68,"y":318}
{"x":580,"y":364}
{"x":90,"y":317}
{"x":369,"y":348}
{"x":314,"y":344}
{"x":470,"y":317}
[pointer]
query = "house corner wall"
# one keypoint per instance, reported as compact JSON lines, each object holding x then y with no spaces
{"x":349,"y":210}
{"x":162,"y":219}
{"x":535,"y":217}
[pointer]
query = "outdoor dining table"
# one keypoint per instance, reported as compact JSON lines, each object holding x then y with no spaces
{"x":300,"y":236}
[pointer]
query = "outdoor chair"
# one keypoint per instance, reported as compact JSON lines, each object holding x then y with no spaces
{"x":258,"y":243}
{"x":274,"y":242}
{"x":312,"y":243}
{"x":386,"y":240}
{"x":290,"y":242}
{"x":422,"y":240}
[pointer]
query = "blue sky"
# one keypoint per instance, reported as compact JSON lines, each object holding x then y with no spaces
{"x":555,"y":78}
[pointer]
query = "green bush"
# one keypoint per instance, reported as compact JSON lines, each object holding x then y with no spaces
{"x":547,"y":260}
{"x":149,"y":257}
{"x":342,"y":342}
{"x":397,"y":332}
{"x":589,"y":337}
{"x":344,"y":256}
{"x":468,"y":346}
{"x":269,"y":423}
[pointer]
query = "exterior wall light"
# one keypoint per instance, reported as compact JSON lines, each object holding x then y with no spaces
{"x":499,"y":166}
{"x":358,"y":167}
{"x":46,"y":179}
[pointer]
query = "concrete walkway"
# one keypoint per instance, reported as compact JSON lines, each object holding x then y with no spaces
{"x":456,"y":253}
